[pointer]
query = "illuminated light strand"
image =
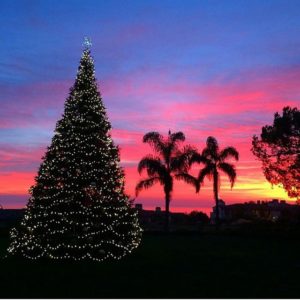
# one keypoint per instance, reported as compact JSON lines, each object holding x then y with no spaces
{"x":79,"y":183}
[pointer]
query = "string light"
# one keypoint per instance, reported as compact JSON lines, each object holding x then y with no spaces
{"x":78,"y":208}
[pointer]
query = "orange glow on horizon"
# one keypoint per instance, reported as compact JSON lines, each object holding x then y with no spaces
{"x":232,"y":112}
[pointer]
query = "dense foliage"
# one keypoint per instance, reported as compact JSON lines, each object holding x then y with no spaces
{"x":278,"y":148}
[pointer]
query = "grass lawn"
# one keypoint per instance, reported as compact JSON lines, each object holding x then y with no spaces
{"x":175,"y":266}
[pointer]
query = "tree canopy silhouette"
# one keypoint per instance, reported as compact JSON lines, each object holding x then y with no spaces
{"x":278,"y":148}
{"x":161,"y":168}
{"x":214,"y":160}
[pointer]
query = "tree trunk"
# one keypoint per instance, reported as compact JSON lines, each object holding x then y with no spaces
{"x":167,"y":212}
{"x":216,"y":188}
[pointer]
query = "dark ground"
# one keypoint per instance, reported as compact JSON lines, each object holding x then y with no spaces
{"x":174,"y":266}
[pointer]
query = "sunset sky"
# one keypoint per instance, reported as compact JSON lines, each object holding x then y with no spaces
{"x":220,"y":68}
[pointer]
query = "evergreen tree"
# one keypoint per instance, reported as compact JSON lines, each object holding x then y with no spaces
{"x":78,"y":208}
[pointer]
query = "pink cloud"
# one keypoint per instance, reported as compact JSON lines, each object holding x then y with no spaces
{"x":231,"y":110}
{"x":16,"y":183}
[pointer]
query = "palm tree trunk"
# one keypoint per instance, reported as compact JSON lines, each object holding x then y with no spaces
{"x":167,"y":212}
{"x":216,"y":188}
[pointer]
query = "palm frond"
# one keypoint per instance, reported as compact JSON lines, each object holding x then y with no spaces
{"x":229,"y":170}
{"x":229,"y":152}
{"x":181,"y":162}
{"x":206,"y":152}
{"x":155,"y":140}
{"x":212,"y":143}
{"x":196,"y":157}
{"x":171,"y":145}
{"x":145,"y":184}
{"x":212,"y":148}
{"x":153,"y":166}
{"x":189,"y":179}
{"x":177,"y":136}
{"x":207,"y":171}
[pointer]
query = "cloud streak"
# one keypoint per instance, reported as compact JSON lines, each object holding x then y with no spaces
{"x":204,"y":68}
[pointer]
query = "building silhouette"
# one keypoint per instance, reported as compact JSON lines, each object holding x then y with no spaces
{"x":153,"y":220}
{"x":275,"y":210}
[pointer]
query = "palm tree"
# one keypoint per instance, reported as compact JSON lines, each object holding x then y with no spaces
{"x":214,"y":160}
{"x":162,"y":167}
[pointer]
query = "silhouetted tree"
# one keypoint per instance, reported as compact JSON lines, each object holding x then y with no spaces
{"x":214,"y":161}
{"x":278,"y":148}
{"x":162,"y":168}
{"x":198,"y":217}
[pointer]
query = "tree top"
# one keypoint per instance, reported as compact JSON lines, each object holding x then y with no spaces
{"x":87,"y":43}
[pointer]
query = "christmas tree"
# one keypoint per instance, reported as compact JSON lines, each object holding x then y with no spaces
{"x":78,"y":208}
